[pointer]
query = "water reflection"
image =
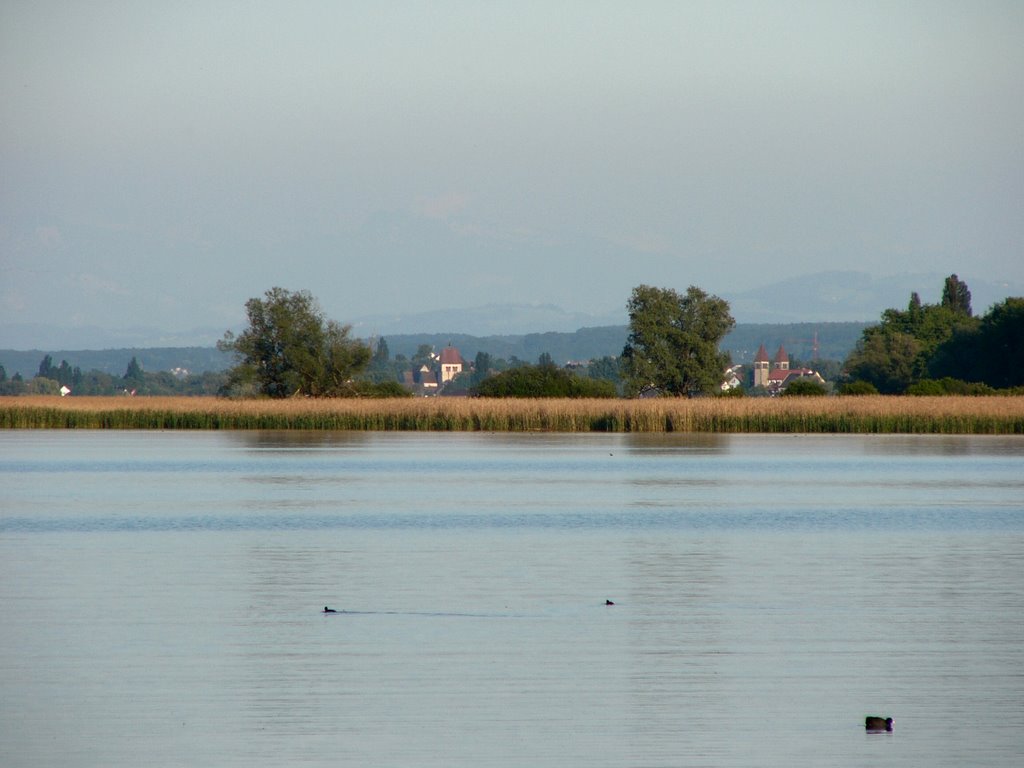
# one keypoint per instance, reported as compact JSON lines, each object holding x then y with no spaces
{"x":298,"y":440}
{"x":946,"y":445}
{"x":178,"y":588}
{"x":675,"y":443}
{"x":676,"y":644}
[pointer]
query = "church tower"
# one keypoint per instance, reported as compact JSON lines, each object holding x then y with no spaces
{"x":781,"y":361}
{"x":761,"y":365}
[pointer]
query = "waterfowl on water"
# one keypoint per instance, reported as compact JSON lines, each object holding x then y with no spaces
{"x":329,"y":610}
{"x":876,"y":724}
{"x":608,"y":602}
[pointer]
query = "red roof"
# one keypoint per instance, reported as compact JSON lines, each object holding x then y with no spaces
{"x":781,"y":356}
{"x":450,"y":356}
{"x":762,"y":355}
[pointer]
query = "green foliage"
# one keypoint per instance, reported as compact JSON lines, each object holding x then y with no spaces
{"x":735,"y":392}
{"x":674,"y":341}
{"x":606,"y":367}
{"x":542,"y":381}
{"x":134,"y":371}
{"x":96,"y":382}
{"x":858,"y":388}
{"x":886,"y":359}
{"x":381,"y":368}
{"x":829,"y":370}
{"x":378,"y":389}
{"x":805,"y":388}
{"x":905,"y":345}
{"x":926,"y":388}
{"x":380,"y":351}
{"x":712,"y":415}
{"x":989,"y":352}
{"x":424,"y":355}
{"x":289,"y":349}
{"x":949,"y":386}
{"x":956,"y":297}
{"x":64,"y":374}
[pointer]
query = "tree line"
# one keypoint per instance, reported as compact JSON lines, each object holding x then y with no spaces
{"x":290,"y":348}
{"x":51,"y":378}
{"x":934,"y":349}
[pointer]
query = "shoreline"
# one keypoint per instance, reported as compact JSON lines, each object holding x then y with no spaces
{"x":817,"y":415}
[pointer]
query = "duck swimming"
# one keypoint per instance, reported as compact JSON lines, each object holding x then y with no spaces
{"x":329,"y":610}
{"x":876,"y":724}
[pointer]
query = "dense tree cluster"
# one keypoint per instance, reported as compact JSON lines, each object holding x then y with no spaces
{"x":942,"y":342}
{"x":543,"y":380}
{"x":290,"y":349}
{"x":50,"y":379}
{"x":674,"y":341}
{"x":805,"y":388}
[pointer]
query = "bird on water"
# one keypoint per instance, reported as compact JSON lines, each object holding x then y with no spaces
{"x":876,"y":724}
{"x":329,"y":610}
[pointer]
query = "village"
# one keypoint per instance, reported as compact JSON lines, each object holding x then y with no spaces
{"x":766,"y":375}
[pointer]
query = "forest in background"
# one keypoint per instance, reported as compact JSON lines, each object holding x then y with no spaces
{"x":835,"y":342}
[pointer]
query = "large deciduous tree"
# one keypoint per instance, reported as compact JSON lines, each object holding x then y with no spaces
{"x":290,"y":348}
{"x":886,"y":359}
{"x":989,"y":352}
{"x":674,"y":338}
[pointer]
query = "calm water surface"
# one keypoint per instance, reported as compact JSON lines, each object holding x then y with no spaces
{"x":160,"y":598}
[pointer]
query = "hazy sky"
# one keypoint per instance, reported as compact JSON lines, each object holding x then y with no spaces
{"x":161,"y":162}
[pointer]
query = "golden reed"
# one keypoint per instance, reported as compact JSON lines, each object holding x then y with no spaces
{"x":917,"y":415}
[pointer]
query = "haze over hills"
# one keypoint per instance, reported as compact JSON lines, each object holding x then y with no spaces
{"x":824,"y":297}
{"x":804,"y":341}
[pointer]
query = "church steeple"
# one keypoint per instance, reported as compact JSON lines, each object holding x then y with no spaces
{"x":761,"y":365}
{"x":781,"y":361}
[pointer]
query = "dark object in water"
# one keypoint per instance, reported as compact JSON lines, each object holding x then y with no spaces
{"x":877,"y":724}
{"x":329,"y":610}
{"x":608,"y":602}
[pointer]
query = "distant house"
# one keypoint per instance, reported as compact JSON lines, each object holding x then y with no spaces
{"x":430,"y":379}
{"x":451,"y":364}
{"x":731,"y":378}
{"x":775,"y":374}
{"x":422,"y":380}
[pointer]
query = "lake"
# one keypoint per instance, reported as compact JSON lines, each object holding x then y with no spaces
{"x":162,"y":596}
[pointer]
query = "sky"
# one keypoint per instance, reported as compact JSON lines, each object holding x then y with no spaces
{"x":161,"y":163}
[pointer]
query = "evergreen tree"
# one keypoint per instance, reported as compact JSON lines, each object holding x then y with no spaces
{"x":47,"y":370}
{"x":133,"y":374}
{"x":956,"y":296}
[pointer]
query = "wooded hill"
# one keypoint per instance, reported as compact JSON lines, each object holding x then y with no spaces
{"x":835,"y":341}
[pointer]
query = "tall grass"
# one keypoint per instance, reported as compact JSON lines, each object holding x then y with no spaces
{"x":919,"y":415}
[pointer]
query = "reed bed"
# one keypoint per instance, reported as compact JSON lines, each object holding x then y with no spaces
{"x":867,"y":415}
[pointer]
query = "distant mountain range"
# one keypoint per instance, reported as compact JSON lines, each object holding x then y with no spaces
{"x":824,"y":297}
{"x":845,"y":296}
